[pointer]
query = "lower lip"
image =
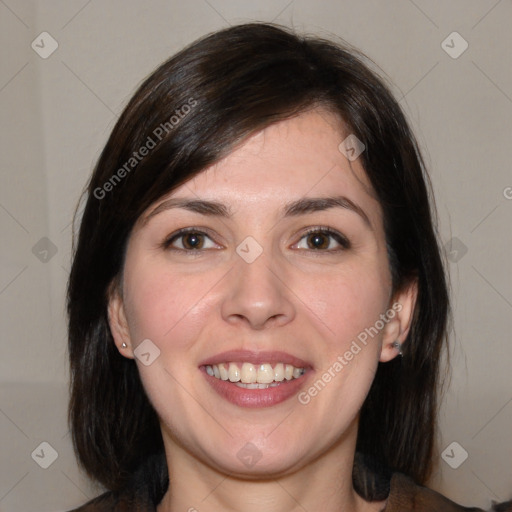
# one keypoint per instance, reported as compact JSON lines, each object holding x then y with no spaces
{"x":253,"y":398}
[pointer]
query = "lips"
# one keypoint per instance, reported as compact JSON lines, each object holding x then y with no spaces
{"x":259,"y":395}
{"x":256,"y":358}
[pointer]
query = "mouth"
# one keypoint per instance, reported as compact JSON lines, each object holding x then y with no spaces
{"x":249,"y":376}
{"x":250,"y":379}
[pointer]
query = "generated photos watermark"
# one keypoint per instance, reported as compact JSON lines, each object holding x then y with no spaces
{"x":355,"y":348}
{"x":151,"y":142}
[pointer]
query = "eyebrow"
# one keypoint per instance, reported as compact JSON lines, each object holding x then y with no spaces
{"x":319,"y":204}
{"x":295,"y":208}
{"x":200,"y":206}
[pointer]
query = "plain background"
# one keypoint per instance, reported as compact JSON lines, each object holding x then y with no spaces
{"x":57,"y":113}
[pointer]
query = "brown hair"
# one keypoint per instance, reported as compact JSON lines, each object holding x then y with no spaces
{"x":192,"y":111}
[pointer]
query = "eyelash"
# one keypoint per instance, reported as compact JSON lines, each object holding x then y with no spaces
{"x":325,"y":230}
{"x":181,"y":233}
{"x":321,"y":230}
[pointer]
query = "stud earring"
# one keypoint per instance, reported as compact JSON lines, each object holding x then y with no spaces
{"x":396,"y":344}
{"x":124,"y":345}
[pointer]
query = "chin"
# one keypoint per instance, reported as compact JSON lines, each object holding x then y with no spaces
{"x":251,"y":462}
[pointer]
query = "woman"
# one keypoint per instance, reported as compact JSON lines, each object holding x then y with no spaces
{"x":257,"y":303}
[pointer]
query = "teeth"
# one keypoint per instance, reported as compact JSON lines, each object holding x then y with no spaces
{"x":254,"y":376}
{"x":265,"y":374}
{"x":223,"y":372}
{"x":234,"y":372}
{"x":279,"y":372}
{"x":297,"y":372}
{"x":249,"y":374}
{"x":256,"y":385}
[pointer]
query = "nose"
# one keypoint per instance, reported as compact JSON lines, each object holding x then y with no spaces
{"x":257,"y":296}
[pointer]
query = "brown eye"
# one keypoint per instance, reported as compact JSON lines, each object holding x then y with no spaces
{"x":318,"y":241}
{"x":190,"y":240}
{"x":323,"y":240}
{"x":193,"y":241}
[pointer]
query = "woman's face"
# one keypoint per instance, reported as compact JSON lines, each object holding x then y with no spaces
{"x":275,"y":256}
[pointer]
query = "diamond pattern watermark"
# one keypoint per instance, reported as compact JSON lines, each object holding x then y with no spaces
{"x":249,"y":250}
{"x":147,"y":352}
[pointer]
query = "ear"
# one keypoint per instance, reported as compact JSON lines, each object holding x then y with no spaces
{"x":117,"y":322}
{"x":400,"y":313}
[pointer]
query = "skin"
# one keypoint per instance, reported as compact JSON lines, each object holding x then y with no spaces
{"x":295,"y":297}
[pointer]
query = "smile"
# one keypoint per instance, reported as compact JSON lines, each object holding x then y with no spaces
{"x":254,"y":376}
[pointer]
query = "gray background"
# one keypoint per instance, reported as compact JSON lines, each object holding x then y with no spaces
{"x":57,"y":113}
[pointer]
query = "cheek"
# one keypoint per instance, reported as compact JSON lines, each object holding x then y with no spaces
{"x":160,"y":305}
{"x":348,"y":304}
{"x":347,"y":301}
{"x":170,"y":309}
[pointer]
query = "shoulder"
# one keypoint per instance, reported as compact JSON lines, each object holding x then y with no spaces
{"x":375,"y":482}
{"x":405,"y":494}
{"x":113,"y":502}
{"x":142,"y":492}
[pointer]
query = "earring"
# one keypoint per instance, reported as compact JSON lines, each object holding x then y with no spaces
{"x":396,"y":344}
{"x":124,"y":345}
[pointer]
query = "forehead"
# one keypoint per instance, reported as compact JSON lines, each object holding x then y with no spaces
{"x":294,"y":158}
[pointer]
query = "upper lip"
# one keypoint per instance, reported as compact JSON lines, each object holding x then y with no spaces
{"x":249,"y":356}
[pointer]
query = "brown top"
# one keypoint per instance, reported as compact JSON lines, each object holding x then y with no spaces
{"x":403,"y":495}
